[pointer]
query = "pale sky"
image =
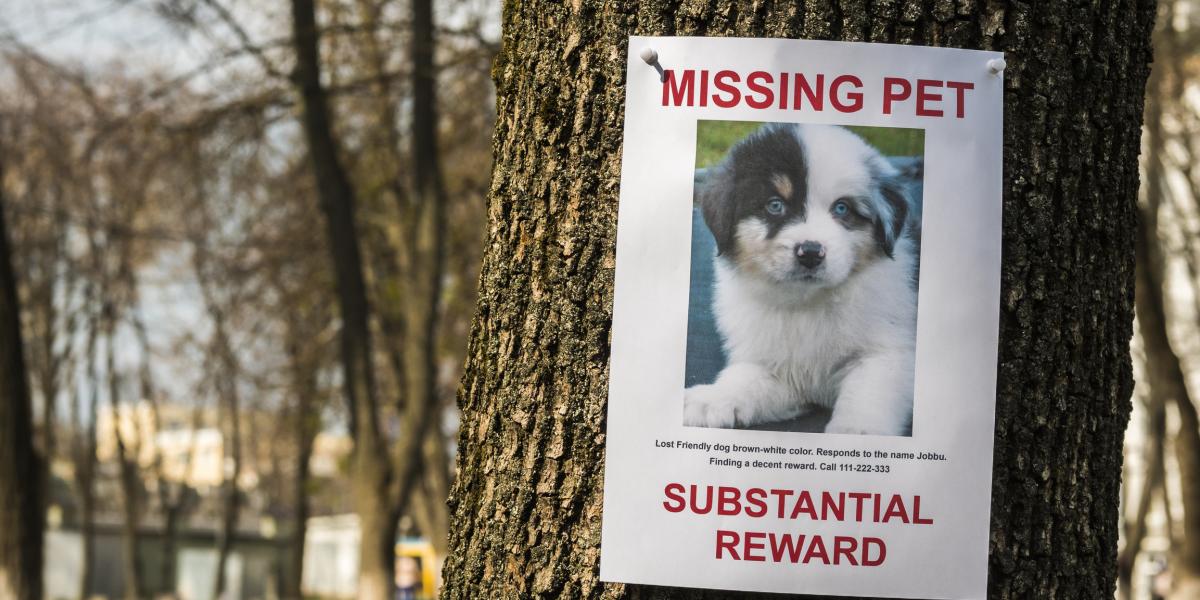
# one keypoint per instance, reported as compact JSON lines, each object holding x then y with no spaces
{"x":90,"y":36}
{"x":92,"y":33}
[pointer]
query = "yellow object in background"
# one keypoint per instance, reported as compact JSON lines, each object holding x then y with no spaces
{"x":417,"y":569}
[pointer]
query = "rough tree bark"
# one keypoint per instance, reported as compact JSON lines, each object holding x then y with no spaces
{"x":21,"y":468}
{"x":527,"y":500}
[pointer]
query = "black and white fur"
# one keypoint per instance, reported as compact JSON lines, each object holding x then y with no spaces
{"x":815,"y":295}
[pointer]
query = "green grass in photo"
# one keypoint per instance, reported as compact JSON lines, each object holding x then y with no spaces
{"x":715,"y":138}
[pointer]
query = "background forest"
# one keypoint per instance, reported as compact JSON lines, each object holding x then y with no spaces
{"x":242,"y":391}
{"x":180,"y":287}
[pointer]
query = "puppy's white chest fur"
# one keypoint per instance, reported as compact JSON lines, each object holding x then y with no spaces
{"x":850,"y":348}
{"x":810,"y":339}
{"x":802,"y":346}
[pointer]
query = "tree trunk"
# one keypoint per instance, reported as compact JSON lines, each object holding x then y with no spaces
{"x":422,"y":306}
{"x":295,"y":575}
{"x":85,"y":455}
{"x":1136,"y":527}
{"x":87,"y":514}
{"x":1165,"y":376}
{"x":230,"y":414}
{"x":87,"y":520}
{"x":231,"y":501}
{"x":431,"y":512}
{"x":171,"y":511}
{"x":371,"y":470}
{"x":527,"y":501}
{"x":171,"y":495}
{"x":1186,"y":559}
{"x":47,"y":339}
{"x":307,"y":422}
{"x":1164,"y":370}
{"x":126,"y":466}
{"x":21,"y":469}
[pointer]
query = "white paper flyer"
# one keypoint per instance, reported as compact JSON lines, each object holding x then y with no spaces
{"x":802,"y":390}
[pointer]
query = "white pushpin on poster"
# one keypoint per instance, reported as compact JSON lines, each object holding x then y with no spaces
{"x":805,"y":322}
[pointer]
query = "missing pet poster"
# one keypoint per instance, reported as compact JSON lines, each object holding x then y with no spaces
{"x":805,"y":318}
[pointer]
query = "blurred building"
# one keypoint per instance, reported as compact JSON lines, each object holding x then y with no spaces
{"x":192,"y":449}
{"x":329,"y":452}
{"x":191,"y":455}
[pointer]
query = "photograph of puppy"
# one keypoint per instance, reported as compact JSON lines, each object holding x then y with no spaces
{"x":805,"y":262}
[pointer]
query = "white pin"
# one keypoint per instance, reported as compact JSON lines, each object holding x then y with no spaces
{"x":650,"y":55}
{"x":996,"y":66}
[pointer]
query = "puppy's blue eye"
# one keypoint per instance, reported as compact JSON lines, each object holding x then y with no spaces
{"x":775,"y":206}
{"x":840,"y":208}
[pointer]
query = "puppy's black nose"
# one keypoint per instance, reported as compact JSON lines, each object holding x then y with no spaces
{"x":810,"y":254}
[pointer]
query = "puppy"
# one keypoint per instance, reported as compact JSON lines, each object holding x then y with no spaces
{"x":815,"y":294}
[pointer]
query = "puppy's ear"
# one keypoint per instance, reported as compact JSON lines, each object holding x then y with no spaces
{"x":891,"y":214}
{"x":719,"y":208}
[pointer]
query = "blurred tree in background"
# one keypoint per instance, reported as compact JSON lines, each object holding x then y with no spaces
{"x":247,"y":281}
{"x":1160,"y":553}
{"x":21,"y":465}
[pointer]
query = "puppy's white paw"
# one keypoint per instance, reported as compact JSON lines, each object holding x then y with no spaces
{"x":707,"y":406}
{"x":845,"y":426}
